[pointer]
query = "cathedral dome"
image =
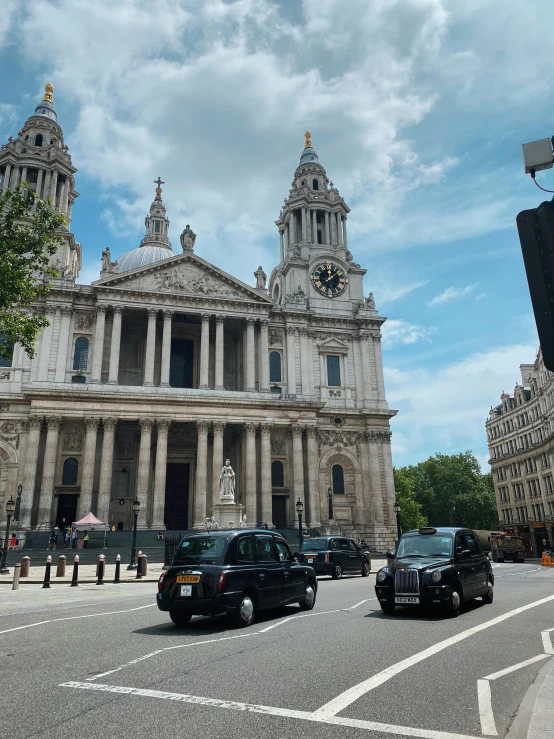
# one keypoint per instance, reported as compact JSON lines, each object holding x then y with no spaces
{"x":142,"y":256}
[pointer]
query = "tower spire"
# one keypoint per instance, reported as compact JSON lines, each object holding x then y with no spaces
{"x":308,"y":136}
{"x":159,"y":182}
{"x":48,"y":92}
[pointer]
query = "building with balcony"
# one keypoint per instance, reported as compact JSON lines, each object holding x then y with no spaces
{"x":146,"y":380}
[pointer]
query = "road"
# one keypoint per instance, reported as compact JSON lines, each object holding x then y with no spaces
{"x":111,"y":665}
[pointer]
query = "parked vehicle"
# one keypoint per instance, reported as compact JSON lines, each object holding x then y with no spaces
{"x":335,"y":556}
{"x":435,"y":566}
{"x":507,"y":546}
{"x":236,"y":572}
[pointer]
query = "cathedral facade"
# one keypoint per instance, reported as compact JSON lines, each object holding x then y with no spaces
{"x":148,"y":379}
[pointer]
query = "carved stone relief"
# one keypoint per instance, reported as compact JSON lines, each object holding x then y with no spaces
{"x":84,"y":321}
{"x":73,"y":440}
{"x":192,"y":280}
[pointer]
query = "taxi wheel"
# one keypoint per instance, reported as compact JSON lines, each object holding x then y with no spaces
{"x":366,"y":569}
{"x":454,"y":603}
{"x":245,"y":611}
{"x":308,"y":601}
{"x":388,"y":608}
{"x":337,"y":572}
{"x":180,"y":619}
{"x":489,"y":596}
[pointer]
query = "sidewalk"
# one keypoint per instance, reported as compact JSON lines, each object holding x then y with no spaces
{"x":541,"y":725}
{"x":87,"y":574}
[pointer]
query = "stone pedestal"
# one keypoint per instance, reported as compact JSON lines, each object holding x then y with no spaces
{"x":228,"y":514}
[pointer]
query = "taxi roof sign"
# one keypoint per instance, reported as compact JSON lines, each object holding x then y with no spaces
{"x":427,"y":530}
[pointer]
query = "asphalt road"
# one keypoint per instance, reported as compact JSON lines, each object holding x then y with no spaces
{"x":112,"y":665}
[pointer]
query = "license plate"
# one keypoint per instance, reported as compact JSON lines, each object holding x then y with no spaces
{"x":406,"y":599}
{"x":188,"y":578}
{"x":186,"y":590}
{"x":311,"y":559}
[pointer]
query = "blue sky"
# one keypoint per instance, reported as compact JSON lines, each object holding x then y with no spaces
{"x":418,"y":109}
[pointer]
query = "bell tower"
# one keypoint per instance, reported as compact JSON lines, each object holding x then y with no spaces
{"x":39,"y":157}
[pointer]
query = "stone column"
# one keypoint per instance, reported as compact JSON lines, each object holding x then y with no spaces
{"x":39,"y":183}
{"x":46,"y":345}
{"x":264,"y":356}
{"x":389,"y":476}
{"x":249,"y":497}
{"x":339,"y":229}
{"x":89,"y":462}
{"x":282,"y":244}
{"x":24,"y":174}
{"x":314,"y":226}
{"x":314,"y":509}
{"x":205,"y":350}
{"x":63,"y":343}
{"x":217,"y":462}
{"x":327,"y":234}
{"x":150,"y":347}
{"x":366,"y":351}
{"x":292,"y":235}
{"x":219,"y":319}
{"x":54,"y":187}
{"x":6,"y":178}
{"x":305,"y":355}
{"x":250,"y":355}
{"x":265,"y":463}
{"x":46,"y":189}
{"x":65,"y":196}
{"x":160,"y":475}
{"x":49,"y":470}
{"x":297,"y":463}
{"x":166,"y":349}
{"x":201,"y":475}
{"x":143,"y":476}
{"x":106,"y":469}
{"x":98,"y":346}
{"x":291,"y":360}
{"x":29,"y":470}
{"x":304,"y":228}
{"x":375,"y":476}
{"x":69,"y":208}
{"x":379,"y":367}
{"x":113,"y":372}
{"x":344,"y":236}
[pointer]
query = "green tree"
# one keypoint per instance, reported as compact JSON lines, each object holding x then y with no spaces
{"x":410,"y":510}
{"x":28,"y":238}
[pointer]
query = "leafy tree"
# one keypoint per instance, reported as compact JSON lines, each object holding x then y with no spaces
{"x":410,"y":510}
{"x":28,"y":227}
{"x":452,"y":491}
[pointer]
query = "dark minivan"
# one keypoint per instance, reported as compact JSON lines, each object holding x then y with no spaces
{"x":335,"y":556}
{"x":237,"y":572}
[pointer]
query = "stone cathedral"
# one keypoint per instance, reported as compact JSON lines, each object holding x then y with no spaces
{"x":146,"y":380}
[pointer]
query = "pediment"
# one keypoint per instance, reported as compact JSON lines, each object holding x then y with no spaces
{"x":184,"y":274}
{"x":333,"y":344}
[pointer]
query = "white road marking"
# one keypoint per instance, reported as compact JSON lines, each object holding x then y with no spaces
{"x":547,"y":641}
{"x":359,"y":604}
{"x":292,"y":618}
{"x":525,"y":572}
{"x":488,"y":727}
{"x":72,"y":618}
{"x":338,"y":704}
{"x":268,"y":710}
{"x":513,"y":668}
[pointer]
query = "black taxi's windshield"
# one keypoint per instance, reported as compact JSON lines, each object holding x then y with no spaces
{"x":315,"y":545}
{"x":200,"y":549}
{"x":425,"y":545}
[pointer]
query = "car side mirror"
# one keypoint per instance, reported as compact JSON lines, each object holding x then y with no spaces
{"x":389,"y":555}
{"x":464,"y":554}
{"x":296,"y":556}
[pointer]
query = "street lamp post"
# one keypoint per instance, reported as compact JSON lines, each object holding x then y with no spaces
{"x":18,"y":503}
{"x":330,"y":502}
{"x":299,"y":509}
{"x":136,"y":509}
{"x":397,"y":509}
{"x":10,"y":507}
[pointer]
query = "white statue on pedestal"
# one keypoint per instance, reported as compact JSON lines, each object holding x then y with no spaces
{"x":227,"y":482}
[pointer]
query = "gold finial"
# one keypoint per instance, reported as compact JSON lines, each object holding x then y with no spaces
{"x":308,"y":136}
{"x":48,"y":90}
{"x":159,"y":182}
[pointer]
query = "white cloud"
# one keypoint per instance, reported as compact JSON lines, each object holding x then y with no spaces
{"x":7,"y":17}
{"x":452,"y":293}
{"x":398,"y":331}
{"x":388,"y":292}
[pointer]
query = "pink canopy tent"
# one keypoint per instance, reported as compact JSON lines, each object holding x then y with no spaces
{"x":91,"y":523}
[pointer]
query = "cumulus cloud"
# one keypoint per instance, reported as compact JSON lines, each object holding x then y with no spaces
{"x":389,"y":291}
{"x":398,"y":331}
{"x":452,"y":293}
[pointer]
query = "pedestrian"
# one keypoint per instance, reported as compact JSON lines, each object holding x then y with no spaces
{"x":85,"y":540}
{"x":73,"y":538}
{"x":12,"y":542}
{"x":17,"y":541}
{"x":160,"y":535}
{"x":67,"y":538}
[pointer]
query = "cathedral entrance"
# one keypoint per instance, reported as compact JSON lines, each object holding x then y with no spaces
{"x":67,"y":510}
{"x":177,"y":496}
{"x":279,"y":511}
{"x":182,"y":363}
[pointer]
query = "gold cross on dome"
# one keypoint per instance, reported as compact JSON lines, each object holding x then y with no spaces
{"x":159,"y":182}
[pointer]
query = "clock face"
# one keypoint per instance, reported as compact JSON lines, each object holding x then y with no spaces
{"x":329,"y":279}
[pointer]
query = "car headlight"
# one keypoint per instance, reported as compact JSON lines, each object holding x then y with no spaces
{"x":381,"y":575}
{"x":436,"y":576}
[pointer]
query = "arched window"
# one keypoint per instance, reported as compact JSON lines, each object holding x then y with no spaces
{"x":275,"y":367}
{"x":4,"y":343}
{"x":80,"y":355}
{"x":70,"y":470}
{"x":338,"y":479}
{"x":277,"y":474}
{"x":38,"y":139}
{"x":315,"y":185}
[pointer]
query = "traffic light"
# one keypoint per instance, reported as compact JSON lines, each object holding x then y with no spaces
{"x":536,"y":235}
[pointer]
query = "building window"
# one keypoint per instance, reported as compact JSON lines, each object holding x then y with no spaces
{"x":277,"y":474}
{"x":338,"y":479}
{"x":78,"y":379}
{"x":333,"y":371}
{"x":315,"y":185}
{"x":80,"y":355}
{"x":38,"y":139}
{"x":156,"y":227}
{"x":5,"y":344}
{"x":276,"y":390}
{"x":70,"y":470}
{"x":275,"y":367}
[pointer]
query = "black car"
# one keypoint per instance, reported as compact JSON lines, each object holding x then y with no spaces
{"x":435,"y":566}
{"x":237,"y":572}
{"x":335,"y":556}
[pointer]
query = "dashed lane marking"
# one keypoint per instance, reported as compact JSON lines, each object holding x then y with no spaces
{"x":268,"y":711}
{"x":513,"y":668}
{"x":72,"y":618}
{"x":488,"y":727}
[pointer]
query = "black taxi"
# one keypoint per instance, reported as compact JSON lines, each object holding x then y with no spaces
{"x":234,"y":571}
{"x":335,"y":556}
{"x":441,"y":566}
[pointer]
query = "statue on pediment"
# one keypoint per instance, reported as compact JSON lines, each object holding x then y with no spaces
{"x":370,"y":302}
{"x":108,"y":266}
{"x":188,"y":237}
{"x":261,"y":278}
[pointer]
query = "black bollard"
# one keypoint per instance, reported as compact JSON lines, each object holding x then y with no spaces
{"x":117,"y":568}
{"x":75,"y":578}
{"x":139,"y":567}
{"x":46,"y":583}
{"x":101,"y":565}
